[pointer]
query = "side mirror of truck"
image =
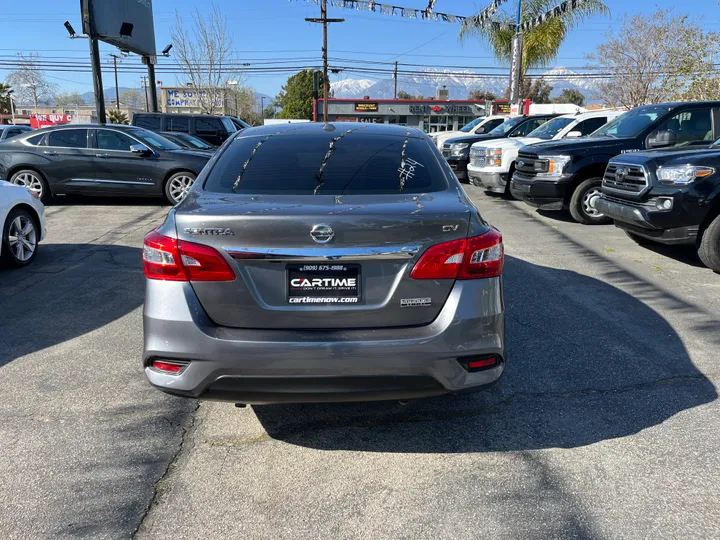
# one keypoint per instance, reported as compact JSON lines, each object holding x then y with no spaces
{"x":574,"y":135}
{"x":660,"y":139}
{"x":480,"y":130}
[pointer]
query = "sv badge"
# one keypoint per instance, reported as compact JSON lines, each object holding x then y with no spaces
{"x":450,"y":228}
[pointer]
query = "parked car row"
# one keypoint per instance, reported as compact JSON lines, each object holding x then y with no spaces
{"x":654,"y":170}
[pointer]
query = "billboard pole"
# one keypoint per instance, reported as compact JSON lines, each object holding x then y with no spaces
{"x":95,"y":61}
{"x":151,"y":80}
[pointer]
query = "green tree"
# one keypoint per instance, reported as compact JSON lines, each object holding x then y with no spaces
{"x":296,"y":96}
{"x":537,"y":90}
{"x":117,"y":117}
{"x":5,"y":92}
{"x":270,"y":111}
{"x":541,"y":43}
{"x":68,"y":99}
{"x":570,"y":95}
{"x":482,"y":95}
{"x":402,"y":94}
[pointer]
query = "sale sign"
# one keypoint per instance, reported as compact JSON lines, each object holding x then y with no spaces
{"x":38,"y":121}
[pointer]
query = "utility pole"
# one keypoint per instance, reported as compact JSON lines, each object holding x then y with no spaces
{"x":395,"y":77}
{"x":117,"y":88}
{"x":262,"y":108}
{"x":147,"y":104}
{"x":325,"y":21}
{"x":96,"y":68}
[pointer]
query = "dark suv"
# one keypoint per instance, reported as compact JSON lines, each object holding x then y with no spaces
{"x":212,"y":129}
{"x":457,"y":150}
{"x":104,"y":160}
{"x":568,"y":174}
{"x":670,"y":197}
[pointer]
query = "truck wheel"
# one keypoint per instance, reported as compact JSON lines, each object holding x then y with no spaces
{"x":639,"y":240}
{"x":709,"y":248}
{"x":582,"y":203}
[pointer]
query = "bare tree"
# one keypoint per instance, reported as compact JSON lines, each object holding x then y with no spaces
{"x":651,"y":59}
{"x":69,"y":98}
{"x":205,"y":55}
{"x":133,"y":98}
{"x":30,"y":83}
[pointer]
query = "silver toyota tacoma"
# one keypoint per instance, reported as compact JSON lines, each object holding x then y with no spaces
{"x":315,"y":263}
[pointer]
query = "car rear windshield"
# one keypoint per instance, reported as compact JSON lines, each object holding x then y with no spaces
{"x":347,"y":163}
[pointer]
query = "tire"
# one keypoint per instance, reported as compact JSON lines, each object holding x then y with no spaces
{"x":20,"y":238}
{"x":34,"y":182}
{"x":582,"y":203}
{"x":709,"y":247}
{"x":178,"y":185}
{"x":639,"y":240}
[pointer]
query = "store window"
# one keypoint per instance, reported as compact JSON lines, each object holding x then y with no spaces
{"x":398,"y":120}
{"x":435,"y":124}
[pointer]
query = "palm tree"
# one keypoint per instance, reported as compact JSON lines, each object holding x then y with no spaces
{"x":117,"y":117}
{"x":541,"y":43}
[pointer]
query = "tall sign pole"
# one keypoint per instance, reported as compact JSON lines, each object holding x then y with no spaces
{"x":117,"y":89}
{"x":326,"y":83}
{"x":150,"y":61}
{"x":516,"y":60}
{"x":89,"y":24}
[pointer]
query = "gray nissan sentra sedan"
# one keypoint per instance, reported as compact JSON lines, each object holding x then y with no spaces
{"x":315,"y":264}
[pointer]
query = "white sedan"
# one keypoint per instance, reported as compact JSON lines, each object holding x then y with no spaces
{"x":22,"y":218}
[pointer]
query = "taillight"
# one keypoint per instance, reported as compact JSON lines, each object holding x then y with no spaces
{"x":169,"y":259}
{"x":472,"y":258}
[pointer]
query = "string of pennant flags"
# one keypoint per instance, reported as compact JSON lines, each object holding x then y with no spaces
{"x":483,"y":18}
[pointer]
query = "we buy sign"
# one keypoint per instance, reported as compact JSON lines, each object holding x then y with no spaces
{"x":45,"y":120}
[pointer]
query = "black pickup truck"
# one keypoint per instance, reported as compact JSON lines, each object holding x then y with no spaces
{"x":568,"y":173}
{"x":670,"y":197}
{"x":457,"y":151}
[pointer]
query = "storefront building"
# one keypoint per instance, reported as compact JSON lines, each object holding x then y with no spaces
{"x":429,"y":115}
{"x":185,"y":99}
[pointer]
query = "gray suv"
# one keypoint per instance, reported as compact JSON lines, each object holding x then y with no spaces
{"x":313,"y":264}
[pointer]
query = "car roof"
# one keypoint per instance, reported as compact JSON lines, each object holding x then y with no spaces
{"x":309,"y":128}
{"x":674,"y":104}
{"x":187,"y":115}
{"x":591,"y":114}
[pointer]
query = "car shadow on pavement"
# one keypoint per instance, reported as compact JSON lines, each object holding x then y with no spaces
{"x":587,"y":362}
{"x":67,"y":291}
{"x":99,"y":200}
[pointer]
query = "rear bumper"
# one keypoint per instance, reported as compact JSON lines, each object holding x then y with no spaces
{"x":271,"y":366}
{"x":638,"y":220}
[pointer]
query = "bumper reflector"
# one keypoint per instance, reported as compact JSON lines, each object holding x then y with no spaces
{"x":173,"y":368}
{"x":477,"y":364}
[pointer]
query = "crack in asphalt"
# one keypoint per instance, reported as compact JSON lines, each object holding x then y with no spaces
{"x":367,"y":422}
{"x":162,"y":486}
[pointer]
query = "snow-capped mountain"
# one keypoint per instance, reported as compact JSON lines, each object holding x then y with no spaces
{"x":351,"y":88}
{"x":459,"y":83}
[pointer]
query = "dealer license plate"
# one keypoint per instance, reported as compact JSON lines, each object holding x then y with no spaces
{"x":323,"y":283}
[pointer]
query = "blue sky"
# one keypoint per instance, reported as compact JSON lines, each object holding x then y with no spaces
{"x":268,"y":30}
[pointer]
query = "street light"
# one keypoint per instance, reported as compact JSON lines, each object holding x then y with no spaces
{"x":166,"y":50}
{"x":70,"y":29}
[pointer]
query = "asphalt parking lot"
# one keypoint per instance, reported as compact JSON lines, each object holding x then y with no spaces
{"x":604,"y":426}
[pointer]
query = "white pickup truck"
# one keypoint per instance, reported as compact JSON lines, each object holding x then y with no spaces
{"x":492,"y":163}
{"x":482,"y":124}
